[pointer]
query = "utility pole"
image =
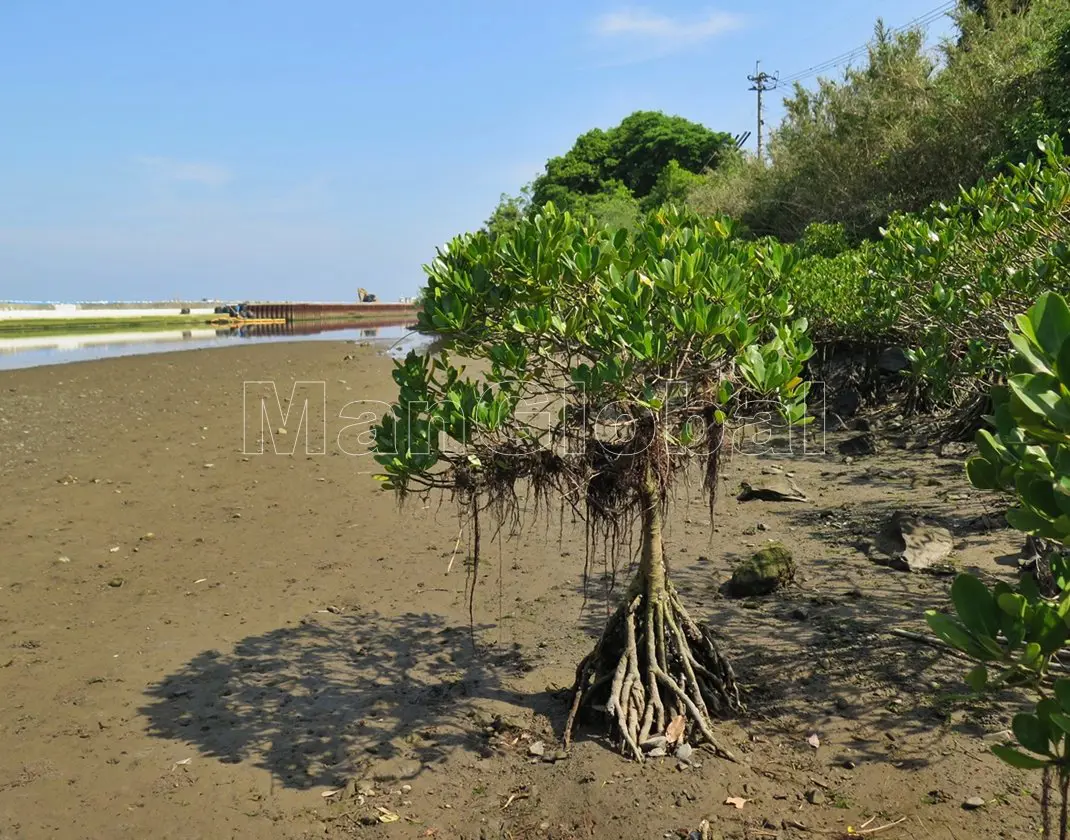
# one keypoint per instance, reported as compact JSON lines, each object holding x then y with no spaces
{"x":762,"y":82}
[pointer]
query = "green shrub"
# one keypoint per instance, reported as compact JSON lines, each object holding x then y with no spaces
{"x":1014,"y":632}
{"x":823,"y":239}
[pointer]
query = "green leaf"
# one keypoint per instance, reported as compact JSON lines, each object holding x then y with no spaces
{"x":1062,"y":693}
{"x":1028,"y":522}
{"x":1012,"y":604}
{"x":1018,"y":759}
{"x":1050,"y":317}
{"x":1061,"y":720}
{"x":975,"y":606}
{"x":977,"y":678}
{"x":983,"y":474}
{"x":1062,"y":363}
{"x":952,"y":632}
{"x":1031,"y":733}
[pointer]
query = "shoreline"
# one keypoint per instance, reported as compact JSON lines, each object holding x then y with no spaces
{"x":14,"y":328}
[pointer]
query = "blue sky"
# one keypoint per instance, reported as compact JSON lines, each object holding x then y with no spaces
{"x":285,"y":150}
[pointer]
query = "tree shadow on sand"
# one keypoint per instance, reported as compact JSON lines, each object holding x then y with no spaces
{"x":360,"y":695}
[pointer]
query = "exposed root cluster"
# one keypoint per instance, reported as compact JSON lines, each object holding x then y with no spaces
{"x":652,"y":664}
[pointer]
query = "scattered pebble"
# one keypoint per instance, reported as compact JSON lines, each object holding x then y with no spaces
{"x":815,"y":797}
{"x":973,"y":803}
{"x":537,"y":748}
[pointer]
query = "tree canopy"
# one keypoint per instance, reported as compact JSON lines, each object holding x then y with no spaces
{"x":610,"y":173}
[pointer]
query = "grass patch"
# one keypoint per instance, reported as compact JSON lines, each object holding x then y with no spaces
{"x":21,"y":327}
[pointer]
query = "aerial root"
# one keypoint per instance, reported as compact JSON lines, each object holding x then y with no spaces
{"x":652,"y":664}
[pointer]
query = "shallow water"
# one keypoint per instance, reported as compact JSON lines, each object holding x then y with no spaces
{"x":54,"y":349}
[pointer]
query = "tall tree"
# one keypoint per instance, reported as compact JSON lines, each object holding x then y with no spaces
{"x":633,"y":153}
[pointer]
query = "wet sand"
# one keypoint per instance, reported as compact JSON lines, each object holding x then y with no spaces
{"x":198,"y":642}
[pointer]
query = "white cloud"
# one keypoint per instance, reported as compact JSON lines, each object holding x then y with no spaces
{"x":664,"y":32}
{"x":195,"y":172}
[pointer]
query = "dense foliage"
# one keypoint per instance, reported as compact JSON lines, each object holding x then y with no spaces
{"x":943,"y":282}
{"x":613,"y":361}
{"x":907,"y":128}
{"x":615,"y":175}
{"x":1014,"y":633}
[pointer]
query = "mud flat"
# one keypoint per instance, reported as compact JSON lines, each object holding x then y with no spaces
{"x":199,"y":641}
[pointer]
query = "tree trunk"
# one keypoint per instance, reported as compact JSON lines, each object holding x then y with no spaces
{"x":653,"y":664}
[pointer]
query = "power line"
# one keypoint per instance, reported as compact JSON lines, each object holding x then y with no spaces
{"x":848,"y":58}
{"x":921,"y":21}
{"x":845,"y":58}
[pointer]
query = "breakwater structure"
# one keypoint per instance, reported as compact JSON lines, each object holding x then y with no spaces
{"x":17,"y":316}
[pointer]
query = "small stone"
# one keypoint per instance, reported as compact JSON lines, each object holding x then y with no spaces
{"x":973,"y":803}
{"x":893,"y":360}
{"x":148,"y":537}
{"x":115,"y":583}
{"x":863,"y":444}
{"x":761,"y":526}
{"x":657,"y":752}
{"x":538,"y":748}
{"x":684,"y":751}
{"x":955,"y":449}
{"x":777,"y":488}
{"x":655,"y":741}
{"x":63,"y":558}
{"x":406,"y":788}
{"x":911,"y":544}
{"x":815,"y":797}
{"x":849,"y":765}
{"x":560,"y":755}
{"x":281,"y":431}
{"x":799,"y":614}
{"x":395,"y":769}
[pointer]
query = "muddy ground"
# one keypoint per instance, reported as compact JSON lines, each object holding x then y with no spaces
{"x":199,"y":642}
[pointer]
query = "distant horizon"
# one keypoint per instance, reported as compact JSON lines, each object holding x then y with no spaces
{"x":7,"y":302}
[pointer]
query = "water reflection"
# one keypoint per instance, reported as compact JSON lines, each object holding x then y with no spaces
{"x":50,"y":349}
